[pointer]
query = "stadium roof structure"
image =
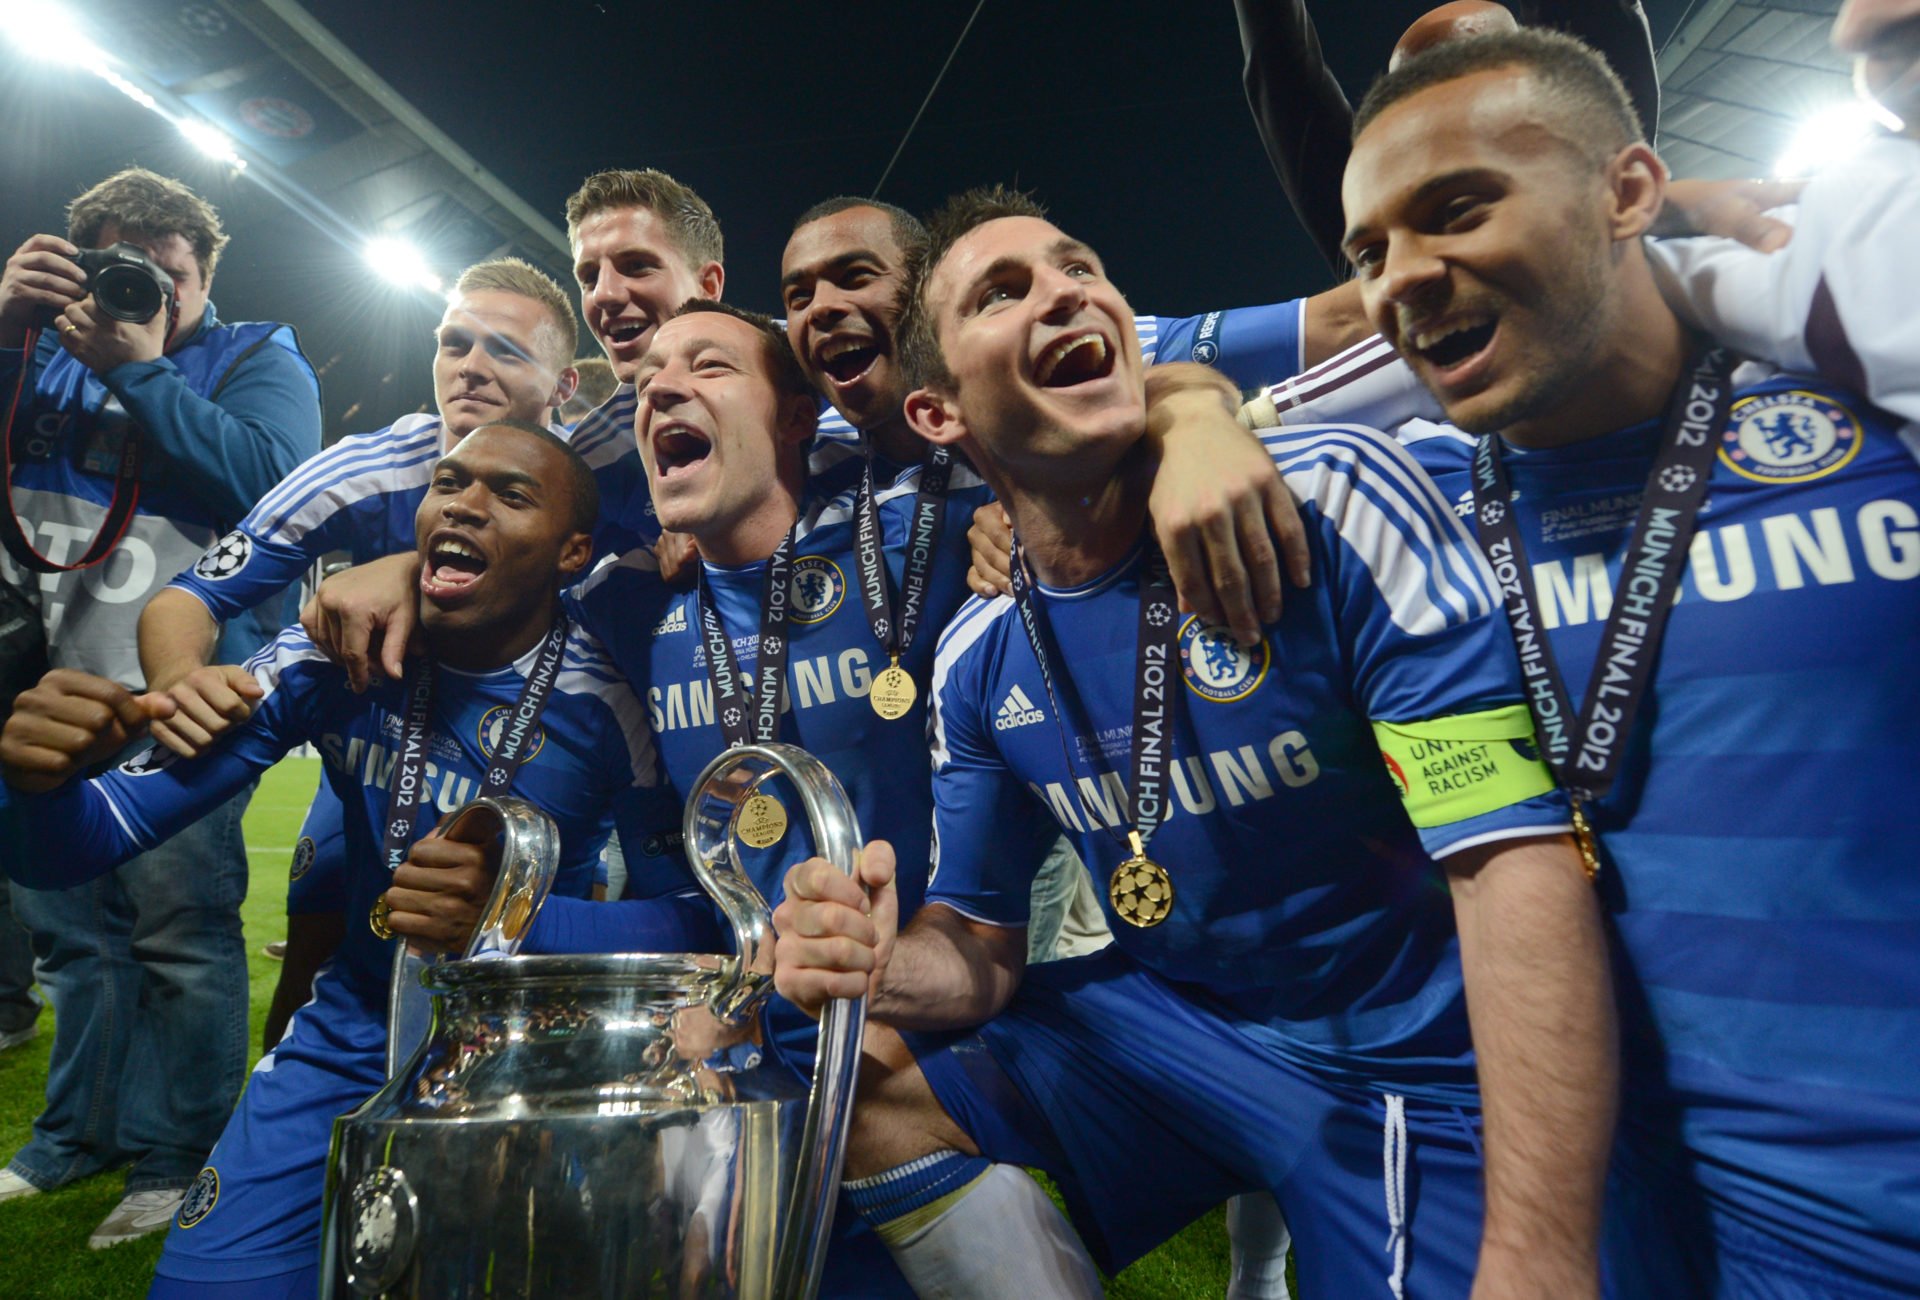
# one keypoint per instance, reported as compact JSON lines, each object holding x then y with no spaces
{"x":1739,"y":80}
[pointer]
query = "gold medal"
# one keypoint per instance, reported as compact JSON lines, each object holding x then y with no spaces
{"x":377,"y":918}
{"x":893,"y":691}
{"x":1140,"y":889}
{"x":761,"y":821}
{"x":1588,"y":842}
{"x":515,"y":915}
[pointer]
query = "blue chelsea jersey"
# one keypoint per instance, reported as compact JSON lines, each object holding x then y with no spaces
{"x":1762,"y":864}
{"x":654,"y":636}
{"x":591,"y":760}
{"x":1307,"y":905}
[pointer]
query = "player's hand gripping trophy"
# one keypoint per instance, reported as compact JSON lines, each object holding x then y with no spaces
{"x":601,"y":1125}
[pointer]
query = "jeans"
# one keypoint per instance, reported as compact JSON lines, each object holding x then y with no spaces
{"x":18,"y":1009}
{"x":147,"y":975}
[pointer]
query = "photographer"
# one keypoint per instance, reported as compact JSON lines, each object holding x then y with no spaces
{"x":139,"y":432}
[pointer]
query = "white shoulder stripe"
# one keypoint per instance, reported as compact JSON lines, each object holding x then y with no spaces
{"x":583,"y":673}
{"x":276,"y":656}
{"x":1391,"y":516}
{"x":968,"y":626}
{"x":351,"y":470}
{"x":638,"y":560}
{"x":605,"y":434}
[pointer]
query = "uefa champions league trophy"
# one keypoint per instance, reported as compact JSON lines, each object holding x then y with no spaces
{"x":602,"y":1125}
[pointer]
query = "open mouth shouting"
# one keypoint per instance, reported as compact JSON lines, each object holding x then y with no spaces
{"x":1079,"y":357}
{"x":1455,"y":347}
{"x":454,"y":565}
{"x":626,"y":333}
{"x":677,"y":448}
{"x":846,"y":359}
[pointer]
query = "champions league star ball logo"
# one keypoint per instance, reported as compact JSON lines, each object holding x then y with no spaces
{"x":1789,"y":437}
{"x":149,"y":761}
{"x":1217,"y":667}
{"x":1493,"y":512}
{"x":493,"y":726}
{"x":200,"y":1198}
{"x":1677,"y":478}
{"x":817,"y":588}
{"x":227,"y":557}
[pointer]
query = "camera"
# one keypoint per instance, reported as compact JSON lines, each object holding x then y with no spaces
{"x":126,"y":283}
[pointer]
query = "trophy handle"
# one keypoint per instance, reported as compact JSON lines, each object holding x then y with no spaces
{"x":718,"y":796}
{"x":529,"y":860}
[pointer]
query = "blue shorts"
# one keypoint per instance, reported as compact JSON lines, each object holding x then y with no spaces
{"x":1660,"y":1238}
{"x":1148,"y":1111}
{"x":317,"y":881}
{"x":254,"y":1211}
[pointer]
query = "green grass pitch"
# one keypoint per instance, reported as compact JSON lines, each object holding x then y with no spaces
{"x":46,"y":1256}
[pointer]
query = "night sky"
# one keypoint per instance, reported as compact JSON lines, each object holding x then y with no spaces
{"x":1128,"y":121}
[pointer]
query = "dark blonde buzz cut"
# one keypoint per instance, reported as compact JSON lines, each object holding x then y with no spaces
{"x":511,"y":275}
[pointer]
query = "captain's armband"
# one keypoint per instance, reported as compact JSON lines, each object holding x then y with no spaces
{"x":1450,"y":769}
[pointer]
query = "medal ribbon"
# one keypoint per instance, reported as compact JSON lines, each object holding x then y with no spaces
{"x":408,"y":790}
{"x":1153,"y":676}
{"x":876,"y":593}
{"x":754,"y":721}
{"x":1586,"y":749}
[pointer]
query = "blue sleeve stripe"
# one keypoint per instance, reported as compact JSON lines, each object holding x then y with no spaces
{"x":967,"y":628}
{"x":598,"y":436}
{"x":400,"y":438}
{"x":355,"y":468}
{"x":1377,"y":497}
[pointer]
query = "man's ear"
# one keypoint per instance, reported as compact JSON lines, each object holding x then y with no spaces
{"x":564,"y":387}
{"x":712,"y":279}
{"x":575,"y":554}
{"x":799,"y":418}
{"x":1637,"y":187}
{"x":935,"y":416}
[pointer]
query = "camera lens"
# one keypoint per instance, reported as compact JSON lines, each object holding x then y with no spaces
{"x":126,"y":293}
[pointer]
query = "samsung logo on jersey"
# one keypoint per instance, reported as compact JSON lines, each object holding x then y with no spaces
{"x":1201,"y":783}
{"x":373,"y":764}
{"x":1822,"y":548}
{"x":811,"y":682}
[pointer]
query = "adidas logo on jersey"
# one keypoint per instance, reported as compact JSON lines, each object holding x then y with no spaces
{"x":675,"y":621}
{"x":1016,"y":711}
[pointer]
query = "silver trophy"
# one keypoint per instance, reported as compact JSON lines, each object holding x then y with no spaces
{"x":603,"y":1125}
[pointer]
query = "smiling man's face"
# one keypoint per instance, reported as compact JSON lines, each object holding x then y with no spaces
{"x":1040,"y":347}
{"x":840,"y":282}
{"x":633,"y":275}
{"x":497,"y":356}
{"x":496,"y":535}
{"x":717,"y":438}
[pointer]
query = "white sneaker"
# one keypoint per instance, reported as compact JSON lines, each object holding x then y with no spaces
{"x":137,"y":1215}
{"x":13,"y":1185}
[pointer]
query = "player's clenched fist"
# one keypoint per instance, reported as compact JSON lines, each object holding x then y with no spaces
{"x":835,"y":931}
{"x":440,"y":892}
{"x":67,"y":723}
{"x":208,"y":703}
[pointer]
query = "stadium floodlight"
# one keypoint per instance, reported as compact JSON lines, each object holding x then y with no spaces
{"x":211,"y":141}
{"x":400,"y":262}
{"x":47,"y":31}
{"x":1837,"y":131}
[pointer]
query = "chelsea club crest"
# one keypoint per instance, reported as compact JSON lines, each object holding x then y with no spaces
{"x":818,"y":587}
{"x":493,"y":725}
{"x":1217,"y":667}
{"x":1789,"y":437}
{"x":200,"y":1198}
{"x":303,"y":855}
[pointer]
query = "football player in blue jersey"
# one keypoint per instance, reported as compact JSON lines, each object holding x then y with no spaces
{"x":1355,"y":843}
{"x":1704,"y":569}
{"x":506,"y":521}
{"x":503,"y":350}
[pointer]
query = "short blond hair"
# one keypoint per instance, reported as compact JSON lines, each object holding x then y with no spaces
{"x":511,"y":275}
{"x":146,"y":203}
{"x":689,"y":221}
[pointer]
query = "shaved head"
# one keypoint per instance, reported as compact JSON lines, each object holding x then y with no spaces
{"x":1452,"y":22}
